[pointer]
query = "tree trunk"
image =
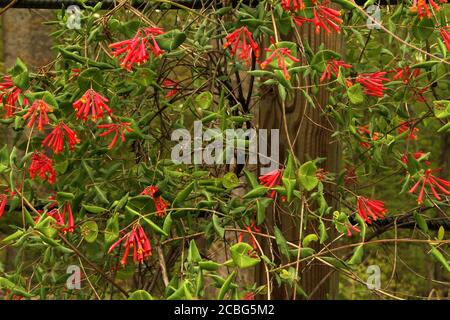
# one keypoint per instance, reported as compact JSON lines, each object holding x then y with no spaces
{"x":310,"y":133}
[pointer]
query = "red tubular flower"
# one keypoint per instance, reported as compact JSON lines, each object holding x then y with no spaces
{"x":428,"y":179}
{"x":134,"y":51}
{"x":271,"y":179}
{"x":333,"y":67}
{"x":117,"y":128}
{"x":405,"y":74}
{"x":292,"y":5}
{"x":9,"y":96}
{"x":408,"y":126}
{"x":136,"y":239}
{"x":351,"y":229}
{"x":445,"y":35}
{"x":161,"y":205}
{"x":370,"y":210}
{"x":55,"y":140}
{"x":67,"y":211}
{"x":38,"y":106}
{"x":3,"y":200}
{"x":42,"y":166}
{"x":421,"y":7}
{"x":280,"y":54}
{"x":91,"y":103}
{"x":325,"y":17}
{"x":170,"y":85}
{"x":373,"y":83}
{"x":251,"y":228}
{"x":241,"y":40}
{"x":417,"y":155}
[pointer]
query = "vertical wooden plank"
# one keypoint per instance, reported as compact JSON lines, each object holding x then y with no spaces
{"x":310,"y":133}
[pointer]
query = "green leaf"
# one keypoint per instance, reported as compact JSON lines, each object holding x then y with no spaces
{"x":281,"y":242}
{"x":288,"y":177}
{"x":93,"y":209}
{"x":357,"y":255}
{"x":217,"y":226}
{"x":112,"y":229}
{"x":261,"y":206}
{"x":193,"y":254}
{"x":440,"y":258}
{"x":240,"y":253}
{"x":91,"y":78}
{"x":307,"y":175}
{"x":355,"y":94}
{"x":154,"y":226}
{"x":183,"y":194}
{"x":19,"y":74}
{"x":251,"y":179}
{"x":322,"y":232}
{"x":167,"y":225}
{"x":422,"y":29}
{"x":257,"y":192}
{"x":204,"y":100}
{"x":226,"y":286}
{"x":308,"y":239}
{"x":441,"y":233}
{"x":441,"y":109}
{"x":321,"y":58}
{"x":421,"y":222}
{"x":230,"y":180}
{"x":89,"y":231}
{"x":171,"y":40}
{"x":140,"y":295}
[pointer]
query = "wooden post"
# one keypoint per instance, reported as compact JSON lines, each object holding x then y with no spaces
{"x":310,"y":134}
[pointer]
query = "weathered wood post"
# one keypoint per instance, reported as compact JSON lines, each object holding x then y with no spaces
{"x":310,"y":133}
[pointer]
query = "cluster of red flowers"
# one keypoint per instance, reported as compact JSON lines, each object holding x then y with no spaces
{"x":91,"y":103}
{"x":241,"y":43}
{"x":3,"y":201}
{"x":421,"y":7}
{"x":332,"y":67}
{"x":370,"y":210}
{"x":280,"y":54}
{"x":270,"y":180}
{"x":161,"y":205}
{"x":251,"y":228}
{"x":323,"y":17}
{"x":116,"y":128}
{"x":55,"y":140}
{"x":136,"y":239}
{"x":364,"y":131}
{"x":373,"y":83}
{"x":41,"y":107}
{"x":42,"y":166}
{"x":64,"y":218}
{"x":10,"y":94}
{"x":433,"y":182}
{"x":135,"y":51}
{"x":292,"y":5}
{"x":417,"y":155}
{"x":351,"y":229}
{"x":405,"y":74}
{"x":408,"y":126}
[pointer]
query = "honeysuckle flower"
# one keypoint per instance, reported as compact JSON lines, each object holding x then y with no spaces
{"x":170,"y":85}
{"x":421,"y":7}
{"x":38,"y":107}
{"x":55,"y":140}
{"x":134,"y":51}
{"x":417,"y":155}
{"x":43,"y":167}
{"x":250,"y":295}
{"x":326,"y":18}
{"x":251,"y":228}
{"x":365,"y":133}
{"x":241,"y":43}
{"x":405,"y":74}
{"x":3,"y":201}
{"x":116,"y":128}
{"x":370,"y":210}
{"x":408,"y":126}
{"x":292,"y":5}
{"x":280,"y":54}
{"x":433,"y":182}
{"x":67,"y":212}
{"x":445,"y":35}
{"x":91,"y":103}
{"x":9,"y":96}
{"x":161,"y":205}
{"x":136,"y":239}
{"x":373,"y":83}
{"x":332,"y":67}
{"x":270,"y":180}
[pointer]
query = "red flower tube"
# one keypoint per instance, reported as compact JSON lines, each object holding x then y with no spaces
{"x":373,"y":83}
{"x":43,"y":167}
{"x":241,"y":43}
{"x":433,"y":182}
{"x":280,"y":54}
{"x":271,"y":179}
{"x":40,"y":107}
{"x":91,"y":103}
{"x":55,"y":140}
{"x":116,"y":128}
{"x":3,"y":200}
{"x":332,"y":67}
{"x":445,"y":35}
{"x":370,"y":210}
